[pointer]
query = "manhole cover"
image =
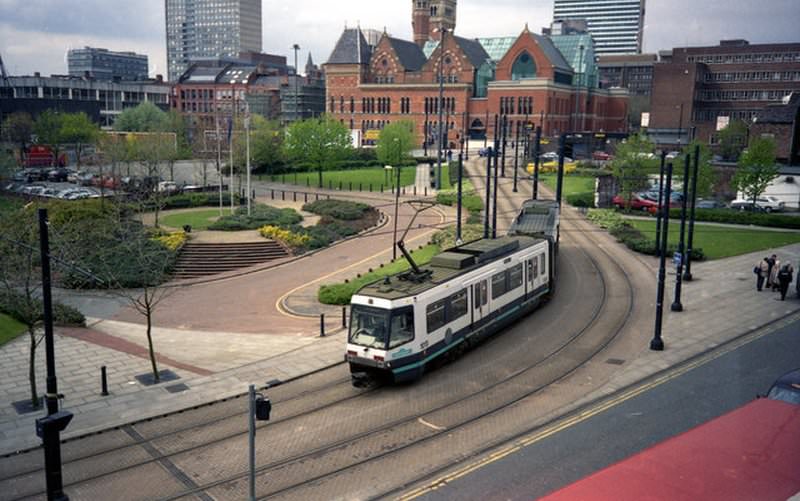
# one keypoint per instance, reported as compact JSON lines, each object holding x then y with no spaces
{"x":176,"y":388}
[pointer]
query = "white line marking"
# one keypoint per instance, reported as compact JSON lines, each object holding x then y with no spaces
{"x":429,"y":425}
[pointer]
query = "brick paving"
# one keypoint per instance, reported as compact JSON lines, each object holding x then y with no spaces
{"x":217,"y":363}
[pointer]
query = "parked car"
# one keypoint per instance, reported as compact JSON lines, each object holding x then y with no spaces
{"x":709,"y":204}
{"x":30,"y":175}
{"x":766,"y":204}
{"x":637,"y":202}
{"x":84,"y":178}
{"x":167,"y":187}
{"x":786,"y":388}
{"x":601,"y":156}
{"x":58,"y":175}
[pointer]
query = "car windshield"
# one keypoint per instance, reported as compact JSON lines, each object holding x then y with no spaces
{"x":784,"y":394}
{"x":376,"y":328}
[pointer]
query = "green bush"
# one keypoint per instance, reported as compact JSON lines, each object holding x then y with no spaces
{"x":188,"y":200}
{"x":261,"y":215}
{"x":339,"y":209}
{"x":11,"y":303}
{"x":742,"y":217}
{"x":471,"y":202}
{"x":581,"y":199}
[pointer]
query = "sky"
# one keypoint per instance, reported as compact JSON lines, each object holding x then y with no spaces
{"x":35,"y":34}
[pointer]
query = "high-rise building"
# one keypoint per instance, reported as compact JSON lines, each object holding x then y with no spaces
{"x":210,"y":28}
{"x":103,"y":64}
{"x":615,"y":25}
{"x":429,"y":16}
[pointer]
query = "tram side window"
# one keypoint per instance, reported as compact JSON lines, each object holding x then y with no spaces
{"x":515,"y":277}
{"x":529,"y":263}
{"x":435,"y":315}
{"x":499,"y":285}
{"x":535,"y":267}
{"x":541,"y":263}
{"x":458,"y":306}
{"x":401,"y":329}
{"x":479,"y":294}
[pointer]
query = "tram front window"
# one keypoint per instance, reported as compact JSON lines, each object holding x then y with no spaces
{"x":369,"y":327}
{"x":376,"y":328}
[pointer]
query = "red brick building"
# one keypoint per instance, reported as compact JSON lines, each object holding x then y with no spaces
{"x":701,"y":87}
{"x":550,"y":81}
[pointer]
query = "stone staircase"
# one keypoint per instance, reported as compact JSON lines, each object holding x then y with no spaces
{"x":203,"y":259}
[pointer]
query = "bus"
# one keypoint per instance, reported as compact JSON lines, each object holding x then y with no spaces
{"x":751,"y":453}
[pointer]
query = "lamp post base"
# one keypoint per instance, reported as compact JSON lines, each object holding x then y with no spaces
{"x":676,"y":306}
{"x":657,"y":344}
{"x":687,"y":277}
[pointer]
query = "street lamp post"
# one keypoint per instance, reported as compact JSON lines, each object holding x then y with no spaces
{"x":578,"y":87}
{"x":657,"y":344}
{"x":688,"y":273}
{"x":458,"y":202}
{"x":440,"y":132}
{"x":296,"y":48}
{"x":676,"y":305}
{"x":516,"y":158}
{"x":537,"y":149}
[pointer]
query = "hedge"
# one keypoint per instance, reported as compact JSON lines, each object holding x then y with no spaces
{"x":339,"y":209}
{"x":189,"y":200}
{"x":261,"y":215}
{"x":730,"y":216}
{"x":62,"y":314}
{"x":585,"y":199}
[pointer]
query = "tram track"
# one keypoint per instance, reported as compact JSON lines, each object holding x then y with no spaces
{"x":405,"y":434}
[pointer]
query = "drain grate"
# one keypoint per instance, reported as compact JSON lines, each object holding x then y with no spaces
{"x":176,"y":388}
{"x":615,"y":361}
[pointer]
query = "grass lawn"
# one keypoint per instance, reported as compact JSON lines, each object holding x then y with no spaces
{"x":375,"y":176}
{"x":719,"y":242}
{"x":572,"y":184}
{"x":199,"y":220}
{"x":9,"y":204}
{"x":342,"y":292}
{"x":9,"y":329}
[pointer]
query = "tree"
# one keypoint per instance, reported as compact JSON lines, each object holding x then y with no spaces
{"x":19,"y":127}
{"x":732,"y":140}
{"x":757,"y":168}
{"x":318,"y":142}
{"x":48,"y":129}
{"x":151,"y":150}
{"x":20,"y":281}
{"x":146,"y":117}
{"x":634,"y":159}
{"x":78,"y":129}
{"x":395,"y":143}
{"x":706,"y":176}
{"x":7,"y":163}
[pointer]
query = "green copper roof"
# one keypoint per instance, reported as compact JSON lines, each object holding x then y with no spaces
{"x":497,"y":47}
{"x":584,"y":63}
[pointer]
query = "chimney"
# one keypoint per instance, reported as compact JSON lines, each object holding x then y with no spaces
{"x":37,"y":74}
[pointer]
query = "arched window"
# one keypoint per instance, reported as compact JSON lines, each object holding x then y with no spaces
{"x":524,"y":67}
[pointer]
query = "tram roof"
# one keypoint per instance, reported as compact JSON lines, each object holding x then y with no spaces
{"x":448,"y":265}
{"x":537,"y":217}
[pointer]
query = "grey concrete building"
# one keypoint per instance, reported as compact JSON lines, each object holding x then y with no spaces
{"x":615,"y":25}
{"x":210,"y":28}
{"x":103,"y":64}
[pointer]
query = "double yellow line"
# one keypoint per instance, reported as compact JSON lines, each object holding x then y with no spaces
{"x":603,"y":406}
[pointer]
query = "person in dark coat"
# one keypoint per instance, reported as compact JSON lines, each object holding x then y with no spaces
{"x":770,"y":265}
{"x":785,"y":276}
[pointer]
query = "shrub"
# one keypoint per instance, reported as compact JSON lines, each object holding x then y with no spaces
{"x":469,"y":200}
{"x":630,"y":236}
{"x":173,"y":241}
{"x":585,"y":199}
{"x":741,"y":217}
{"x":261,"y":215}
{"x":339,"y":209}
{"x":287,"y":237}
{"x":62,"y":314}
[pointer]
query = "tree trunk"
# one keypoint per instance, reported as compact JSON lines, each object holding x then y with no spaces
{"x":32,"y":369}
{"x":149,"y":316}
{"x":320,"y":176}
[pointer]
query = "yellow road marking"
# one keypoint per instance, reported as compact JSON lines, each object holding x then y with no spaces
{"x":591,"y":412}
{"x":279,"y":302}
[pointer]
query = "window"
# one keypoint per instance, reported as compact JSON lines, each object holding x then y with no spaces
{"x":479,"y":294}
{"x":458,"y":305}
{"x":541,"y":263}
{"x":435,"y":315}
{"x":523,"y":67}
{"x":515,"y":277}
{"x":401,"y":329}
{"x":530,"y":267}
{"x":499,"y":285}
{"x":352,"y":105}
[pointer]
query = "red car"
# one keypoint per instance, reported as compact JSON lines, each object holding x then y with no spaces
{"x":637,"y":202}
{"x":601,"y":156}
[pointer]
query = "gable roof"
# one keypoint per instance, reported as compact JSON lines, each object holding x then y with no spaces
{"x":473,"y":49}
{"x":352,"y":48}
{"x":498,"y":47}
{"x":411,"y":56}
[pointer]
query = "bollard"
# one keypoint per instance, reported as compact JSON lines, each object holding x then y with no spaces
{"x":415,"y":190}
{"x":370,"y":187}
{"x":426,"y":191}
{"x":344,"y":317}
{"x":254,"y":195}
{"x":283,"y":195}
{"x":321,"y":325}
{"x":381,"y":188}
{"x":103,"y":381}
{"x":305,"y":195}
{"x":351,"y":186}
{"x":329,"y":197}
{"x":294,"y":196}
{"x":404,"y":190}
{"x":273,"y":194}
{"x":317,"y":194}
{"x":359,"y":186}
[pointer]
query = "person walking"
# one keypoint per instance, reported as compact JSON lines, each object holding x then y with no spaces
{"x":762,"y":271}
{"x":770,"y":266}
{"x":785,"y":276}
{"x":773,"y":274}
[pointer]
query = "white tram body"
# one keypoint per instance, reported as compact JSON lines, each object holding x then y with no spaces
{"x":406,"y":321}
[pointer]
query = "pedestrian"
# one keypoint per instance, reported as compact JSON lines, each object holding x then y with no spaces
{"x":449,"y":155}
{"x":761,"y":271}
{"x":785,"y":276}
{"x":773,"y":274}
{"x":770,"y":265}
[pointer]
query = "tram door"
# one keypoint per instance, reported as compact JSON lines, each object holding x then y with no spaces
{"x":480,"y":300}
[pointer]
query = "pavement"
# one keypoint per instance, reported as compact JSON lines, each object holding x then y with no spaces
{"x":269,"y":337}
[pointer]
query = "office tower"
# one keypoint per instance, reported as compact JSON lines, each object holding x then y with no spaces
{"x":199,"y":29}
{"x":103,"y":64}
{"x":615,"y":25}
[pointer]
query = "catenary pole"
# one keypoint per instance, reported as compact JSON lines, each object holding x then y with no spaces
{"x":496,"y":183}
{"x":536,"y":155}
{"x":657,"y":343}
{"x":458,"y":202}
{"x":687,"y":275}
{"x":677,"y":305}
{"x":487,"y":204}
{"x":516,"y":158}
{"x":659,"y":212}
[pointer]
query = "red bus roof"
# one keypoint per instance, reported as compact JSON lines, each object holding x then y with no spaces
{"x":750,"y":453}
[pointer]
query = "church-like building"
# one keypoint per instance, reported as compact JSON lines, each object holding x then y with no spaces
{"x":546,"y":80}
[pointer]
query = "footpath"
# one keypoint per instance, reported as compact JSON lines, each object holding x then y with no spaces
{"x":719,"y":305}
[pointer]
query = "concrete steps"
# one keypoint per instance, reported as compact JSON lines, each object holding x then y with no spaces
{"x":204,"y":259}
